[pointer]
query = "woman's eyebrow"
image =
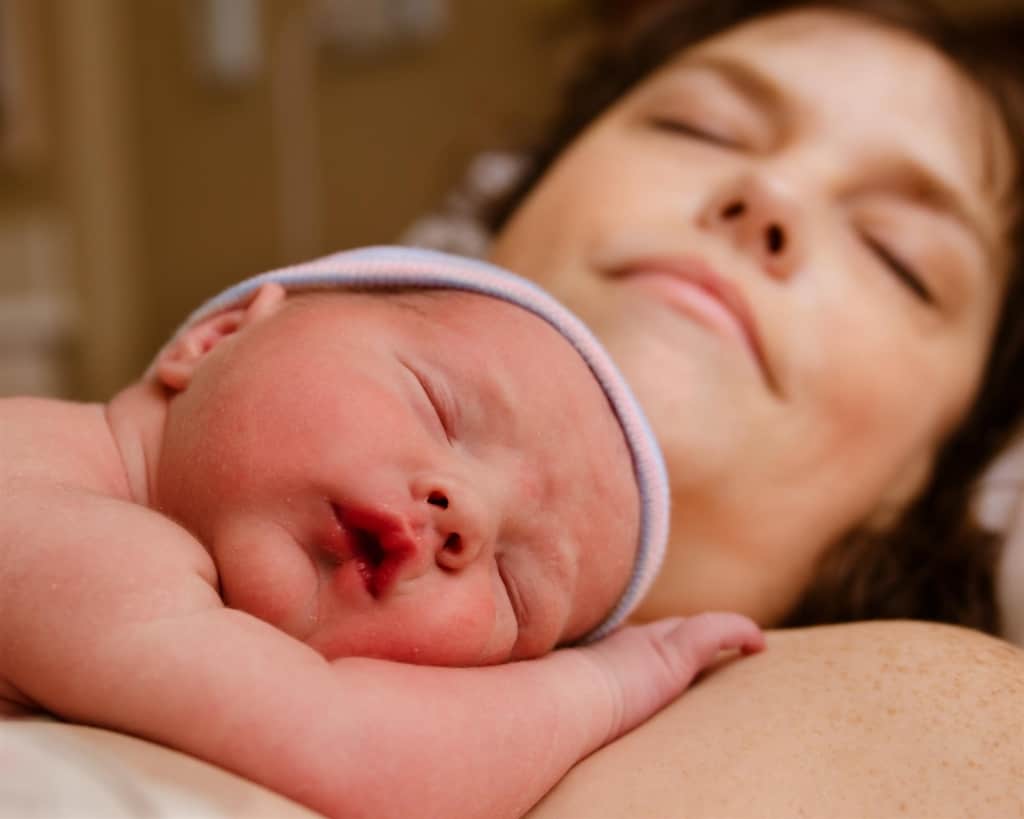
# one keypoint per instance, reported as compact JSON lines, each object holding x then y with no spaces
{"x":756,"y":87}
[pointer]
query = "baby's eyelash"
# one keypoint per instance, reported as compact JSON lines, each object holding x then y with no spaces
{"x":436,"y":403}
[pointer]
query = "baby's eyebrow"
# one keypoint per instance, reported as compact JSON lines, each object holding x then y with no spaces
{"x":414,"y":299}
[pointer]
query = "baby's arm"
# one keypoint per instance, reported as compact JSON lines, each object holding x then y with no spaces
{"x":490,"y":742}
{"x":112,"y":618}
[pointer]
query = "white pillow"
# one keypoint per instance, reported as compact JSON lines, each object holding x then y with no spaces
{"x":1003,"y":507}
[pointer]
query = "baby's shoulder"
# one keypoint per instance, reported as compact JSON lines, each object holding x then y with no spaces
{"x":53,"y":441}
{"x":80,"y":560}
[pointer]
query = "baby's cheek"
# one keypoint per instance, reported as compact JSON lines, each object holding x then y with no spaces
{"x":262,"y":577}
{"x":463,"y":627}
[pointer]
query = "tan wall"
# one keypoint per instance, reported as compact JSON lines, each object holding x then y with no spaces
{"x":223,"y":170}
{"x":171,"y":186}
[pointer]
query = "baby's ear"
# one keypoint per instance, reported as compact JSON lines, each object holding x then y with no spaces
{"x":178,"y":361}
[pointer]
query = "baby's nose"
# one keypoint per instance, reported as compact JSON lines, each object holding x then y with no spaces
{"x":460,"y":523}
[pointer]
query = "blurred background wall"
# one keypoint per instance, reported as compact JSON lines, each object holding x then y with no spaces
{"x":153,"y":151}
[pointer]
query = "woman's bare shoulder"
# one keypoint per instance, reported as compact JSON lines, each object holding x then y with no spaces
{"x":894,"y":643}
{"x":865,"y":719}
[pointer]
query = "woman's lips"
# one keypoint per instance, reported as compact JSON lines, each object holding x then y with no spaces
{"x":693,"y":288}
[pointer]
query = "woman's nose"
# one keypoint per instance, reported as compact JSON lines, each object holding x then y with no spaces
{"x":762,"y":221}
{"x":460,"y":526}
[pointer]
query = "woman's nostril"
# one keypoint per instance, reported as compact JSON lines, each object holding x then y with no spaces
{"x":453,"y":544}
{"x":776,"y":239}
{"x":733,"y":209}
{"x":438,"y":499}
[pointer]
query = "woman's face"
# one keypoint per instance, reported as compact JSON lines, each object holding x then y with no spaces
{"x":789,"y":239}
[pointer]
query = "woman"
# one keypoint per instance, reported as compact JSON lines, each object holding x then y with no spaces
{"x":797,"y":226}
{"x":862,"y":231}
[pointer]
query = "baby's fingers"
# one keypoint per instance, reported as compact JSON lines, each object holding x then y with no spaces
{"x":707,"y":634}
{"x":646,"y":667}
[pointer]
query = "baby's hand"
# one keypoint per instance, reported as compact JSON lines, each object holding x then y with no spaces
{"x":643,"y":668}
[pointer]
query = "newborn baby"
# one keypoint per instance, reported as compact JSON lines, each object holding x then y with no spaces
{"x":385,"y":454}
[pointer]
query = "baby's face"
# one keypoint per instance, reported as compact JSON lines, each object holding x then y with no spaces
{"x":432,"y":477}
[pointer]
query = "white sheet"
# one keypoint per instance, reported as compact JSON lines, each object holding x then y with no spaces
{"x":51,"y":770}
{"x":1003,"y":507}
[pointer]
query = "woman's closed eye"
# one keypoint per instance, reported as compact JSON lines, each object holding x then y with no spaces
{"x":687,"y":128}
{"x":904,"y":273}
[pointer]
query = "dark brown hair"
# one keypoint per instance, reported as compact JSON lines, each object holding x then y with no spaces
{"x":935,"y":562}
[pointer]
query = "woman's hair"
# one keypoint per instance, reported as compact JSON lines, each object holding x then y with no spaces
{"x":935,"y":561}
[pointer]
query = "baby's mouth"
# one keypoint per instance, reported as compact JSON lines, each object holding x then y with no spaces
{"x":376,"y":544}
{"x":369,"y":557}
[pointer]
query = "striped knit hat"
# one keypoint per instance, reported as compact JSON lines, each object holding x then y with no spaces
{"x":388,"y":267}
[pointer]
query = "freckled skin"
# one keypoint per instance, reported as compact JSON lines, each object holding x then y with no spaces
{"x":870,"y":719}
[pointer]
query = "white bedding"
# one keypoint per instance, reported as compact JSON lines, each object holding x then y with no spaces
{"x":51,"y":770}
{"x":1003,"y":506}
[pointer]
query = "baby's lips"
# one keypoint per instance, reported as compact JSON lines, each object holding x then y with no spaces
{"x":379,"y":542}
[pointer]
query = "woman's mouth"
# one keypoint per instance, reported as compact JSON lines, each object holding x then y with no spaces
{"x":694,"y":289}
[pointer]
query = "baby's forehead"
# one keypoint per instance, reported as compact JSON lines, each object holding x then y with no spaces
{"x":500,"y":336}
{"x":488,"y":319}
{"x":428,"y":303}
{"x":502,"y":344}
